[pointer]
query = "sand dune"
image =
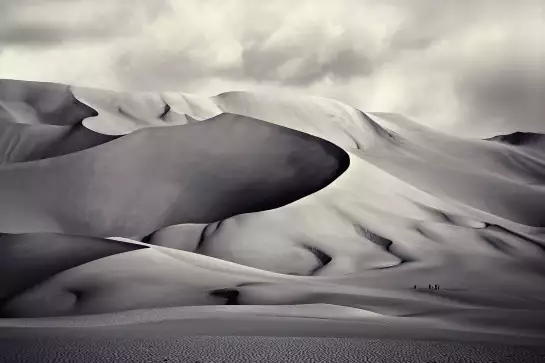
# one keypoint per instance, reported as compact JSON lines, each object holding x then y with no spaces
{"x":30,"y":259}
{"x":42,"y":120}
{"x":41,"y":103}
{"x":190,"y":167}
{"x":530,"y":139}
{"x":238,"y":199}
{"x":20,"y":143}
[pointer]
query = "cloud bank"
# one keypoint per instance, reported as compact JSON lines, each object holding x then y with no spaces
{"x":469,"y":67}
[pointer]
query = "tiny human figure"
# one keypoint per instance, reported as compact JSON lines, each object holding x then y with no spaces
{"x":436,"y":287}
{"x":415,"y":287}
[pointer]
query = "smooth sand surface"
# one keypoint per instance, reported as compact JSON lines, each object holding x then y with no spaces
{"x":198,"y":173}
{"x":244,"y":207}
{"x":36,"y":257}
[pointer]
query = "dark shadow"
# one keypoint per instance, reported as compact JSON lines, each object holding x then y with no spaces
{"x":29,"y":259}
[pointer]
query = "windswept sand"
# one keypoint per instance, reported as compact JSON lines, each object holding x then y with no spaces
{"x":236,"y":207}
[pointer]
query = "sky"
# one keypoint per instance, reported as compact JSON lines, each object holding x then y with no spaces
{"x":473,"y":67}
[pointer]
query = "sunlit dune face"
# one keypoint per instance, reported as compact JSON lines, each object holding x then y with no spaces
{"x":239,"y":240}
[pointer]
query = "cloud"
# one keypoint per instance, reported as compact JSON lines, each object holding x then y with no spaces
{"x":35,"y":23}
{"x":300,"y":66}
{"x":440,"y":62}
{"x":265,"y":43}
{"x":508,"y":91}
{"x":31,"y":35}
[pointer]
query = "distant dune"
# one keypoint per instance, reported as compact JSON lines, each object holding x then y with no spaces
{"x":529,"y":139}
{"x":125,"y":208}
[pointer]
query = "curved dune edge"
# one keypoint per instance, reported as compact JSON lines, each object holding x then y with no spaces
{"x":30,"y":259}
{"x":38,"y":142}
{"x":42,"y":120}
{"x":396,"y":141}
{"x":40,"y":103}
{"x":248,"y":166}
{"x":342,"y":125}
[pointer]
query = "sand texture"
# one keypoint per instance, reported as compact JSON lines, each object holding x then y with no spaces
{"x":142,"y":211}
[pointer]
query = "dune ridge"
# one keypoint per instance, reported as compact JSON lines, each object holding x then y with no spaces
{"x":264,"y":203}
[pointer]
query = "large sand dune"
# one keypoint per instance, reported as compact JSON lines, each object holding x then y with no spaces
{"x":288,"y":206}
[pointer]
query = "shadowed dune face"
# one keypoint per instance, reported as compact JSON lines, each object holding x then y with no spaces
{"x":530,"y":141}
{"x":155,"y":177}
{"x":238,"y":199}
{"x":20,"y":143}
{"x":29,"y":259}
{"x":40,"y":103}
{"x":42,"y":120}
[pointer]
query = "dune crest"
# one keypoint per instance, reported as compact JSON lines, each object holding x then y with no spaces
{"x":117,"y":201}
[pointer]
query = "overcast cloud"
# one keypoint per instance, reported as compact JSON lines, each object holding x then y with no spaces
{"x":472,"y":67}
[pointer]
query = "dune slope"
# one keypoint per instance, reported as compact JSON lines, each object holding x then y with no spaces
{"x":198,"y":173}
{"x":287,"y":206}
